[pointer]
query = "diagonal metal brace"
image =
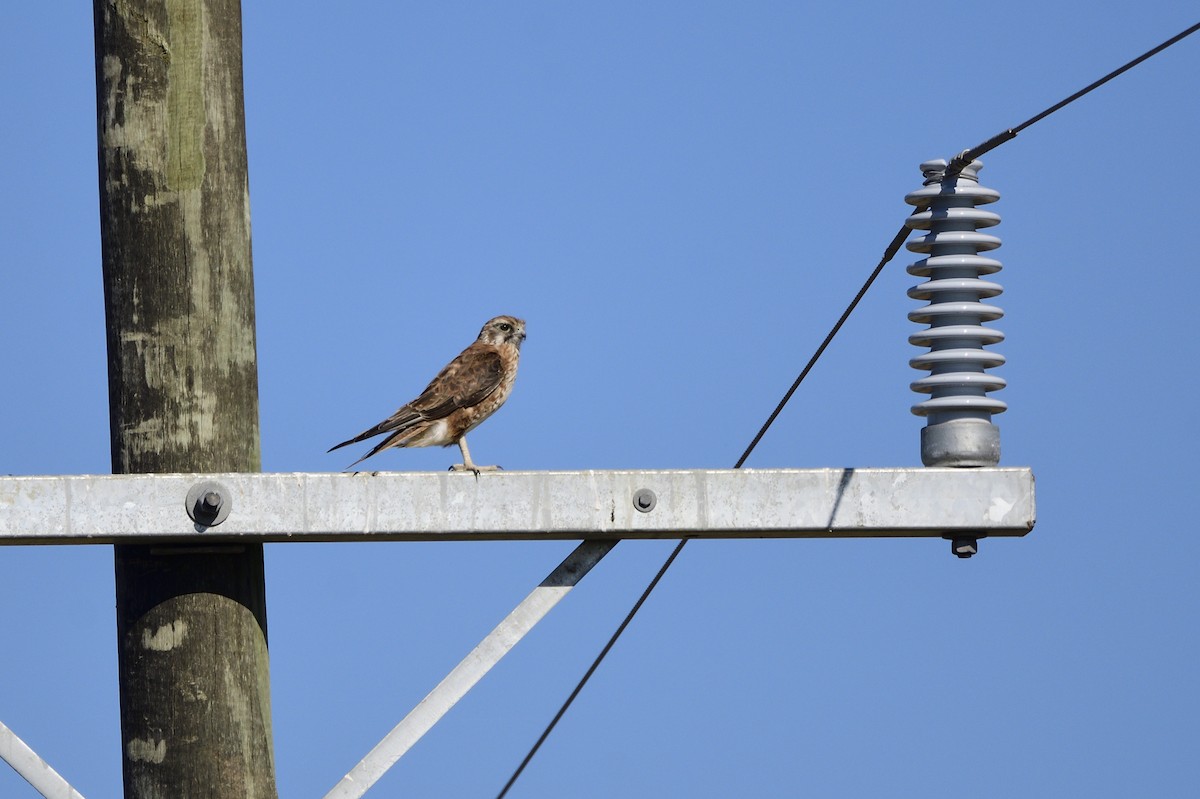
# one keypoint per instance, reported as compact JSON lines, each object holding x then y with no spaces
{"x":37,"y":772}
{"x":471,"y":670}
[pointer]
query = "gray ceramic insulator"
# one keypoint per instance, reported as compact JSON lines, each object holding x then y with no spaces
{"x":958,"y":411}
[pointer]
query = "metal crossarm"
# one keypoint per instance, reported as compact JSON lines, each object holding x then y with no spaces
{"x":430,"y":506}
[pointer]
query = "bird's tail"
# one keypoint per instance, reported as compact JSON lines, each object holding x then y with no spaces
{"x":400,"y":420}
{"x":354,"y":440}
{"x":397,"y":439}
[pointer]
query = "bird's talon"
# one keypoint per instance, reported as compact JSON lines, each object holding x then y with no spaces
{"x":460,"y":467}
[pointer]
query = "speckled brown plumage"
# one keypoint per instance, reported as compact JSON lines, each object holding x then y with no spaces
{"x":467,"y":391}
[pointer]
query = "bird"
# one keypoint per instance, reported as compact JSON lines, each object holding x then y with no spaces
{"x":467,"y":391}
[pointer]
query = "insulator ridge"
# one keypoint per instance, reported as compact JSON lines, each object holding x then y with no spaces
{"x":958,"y":412}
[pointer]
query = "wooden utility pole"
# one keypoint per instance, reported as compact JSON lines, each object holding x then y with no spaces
{"x":183,"y":389}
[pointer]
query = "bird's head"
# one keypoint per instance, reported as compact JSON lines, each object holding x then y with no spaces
{"x":503,"y":330}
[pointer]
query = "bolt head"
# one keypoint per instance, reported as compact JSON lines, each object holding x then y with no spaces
{"x":644,"y":500}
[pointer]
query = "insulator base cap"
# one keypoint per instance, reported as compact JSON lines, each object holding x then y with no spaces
{"x":961,"y":443}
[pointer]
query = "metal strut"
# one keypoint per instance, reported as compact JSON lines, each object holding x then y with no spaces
{"x":471,"y":670}
{"x":37,"y":772}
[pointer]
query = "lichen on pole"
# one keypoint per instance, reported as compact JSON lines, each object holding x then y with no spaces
{"x":183,"y":389}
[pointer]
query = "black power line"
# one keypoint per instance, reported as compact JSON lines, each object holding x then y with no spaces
{"x":967,"y":156}
{"x":592,"y":669}
{"x":888,"y":254}
{"x":953,"y":168}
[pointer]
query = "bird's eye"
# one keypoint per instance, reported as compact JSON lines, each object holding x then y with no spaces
{"x":505,"y":326}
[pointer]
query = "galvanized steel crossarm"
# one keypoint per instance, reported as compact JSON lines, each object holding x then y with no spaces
{"x":431,"y":506}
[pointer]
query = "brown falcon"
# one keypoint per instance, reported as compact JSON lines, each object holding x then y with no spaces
{"x":470,"y":389}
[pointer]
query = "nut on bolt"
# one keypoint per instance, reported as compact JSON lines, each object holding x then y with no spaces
{"x":208,"y":503}
{"x":644,"y":500}
{"x":964,"y":547}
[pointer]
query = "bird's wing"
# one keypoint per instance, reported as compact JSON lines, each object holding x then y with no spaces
{"x":466,"y":381}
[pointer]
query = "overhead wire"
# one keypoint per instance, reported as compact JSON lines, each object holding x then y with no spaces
{"x":953,"y":168}
{"x":967,"y":156}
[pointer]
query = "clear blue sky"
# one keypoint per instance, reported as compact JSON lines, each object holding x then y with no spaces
{"x":680,"y":199}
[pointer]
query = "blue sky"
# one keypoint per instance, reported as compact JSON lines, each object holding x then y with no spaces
{"x":679,"y":199}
